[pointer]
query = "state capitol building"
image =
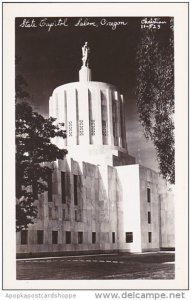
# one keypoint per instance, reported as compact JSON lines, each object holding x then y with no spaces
{"x":99,"y":199}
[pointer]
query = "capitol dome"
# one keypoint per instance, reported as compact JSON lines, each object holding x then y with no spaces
{"x":93,"y":114}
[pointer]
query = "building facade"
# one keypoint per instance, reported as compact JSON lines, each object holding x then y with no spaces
{"x":98,"y":198}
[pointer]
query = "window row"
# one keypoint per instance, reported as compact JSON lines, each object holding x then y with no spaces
{"x":40,"y":237}
{"x":92,"y":128}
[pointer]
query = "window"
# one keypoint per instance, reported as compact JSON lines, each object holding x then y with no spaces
{"x":40,"y":235}
{"x":81,"y":127}
{"x":150,"y":237}
{"x":75,"y":190}
{"x":149,"y":217}
{"x":50,"y":187}
{"x":24,"y":237}
{"x":70,"y":128}
{"x":50,"y":212}
{"x":93,"y":237}
{"x":113,"y":237}
{"x":63,"y":214}
{"x":92,"y":127}
{"x":63,"y":186}
{"x":68,"y":237}
{"x":148,"y":195}
{"x":55,"y":237}
{"x":80,"y":237}
{"x":76,"y":215}
{"x":104,"y":128}
{"x":129,"y":237}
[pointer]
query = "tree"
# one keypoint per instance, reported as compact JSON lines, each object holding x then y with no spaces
{"x":155,"y":94}
{"x":33,"y":151}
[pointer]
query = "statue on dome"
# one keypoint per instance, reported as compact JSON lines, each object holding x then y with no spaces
{"x":85,"y":54}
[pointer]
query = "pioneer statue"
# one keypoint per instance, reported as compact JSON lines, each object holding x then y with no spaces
{"x":85,"y":54}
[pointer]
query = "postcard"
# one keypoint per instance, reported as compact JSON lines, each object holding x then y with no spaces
{"x":95,"y":102}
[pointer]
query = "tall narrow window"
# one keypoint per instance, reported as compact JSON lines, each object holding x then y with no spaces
{"x":148,"y":195}
{"x":92,"y":127}
{"x":68,"y":237}
{"x":55,"y":237}
{"x":104,"y":128}
{"x":76,"y":215}
{"x":50,"y":187}
{"x":81,"y":127}
{"x":70,"y":128}
{"x":75,"y":190}
{"x":63,"y":214}
{"x":50,"y":212}
{"x":149,"y":217}
{"x":80,"y":237}
{"x":113,"y":237}
{"x":24,"y":237}
{"x":129,"y":237}
{"x":40,"y":235}
{"x":150,"y":237}
{"x":93,"y":237}
{"x":63,"y":186}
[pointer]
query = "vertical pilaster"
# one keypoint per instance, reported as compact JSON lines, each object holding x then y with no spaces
{"x":104,"y":117}
{"x":71,"y":112}
{"x":115,"y":120}
{"x":77,"y":106}
{"x":110,"y":118}
{"x":123,"y":122}
{"x":91,"y":119}
{"x":65,"y":117}
{"x":118,"y":119}
{"x":76,"y":118}
{"x":98,"y":119}
{"x":83,"y":122}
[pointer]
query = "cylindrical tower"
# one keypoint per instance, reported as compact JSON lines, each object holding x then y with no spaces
{"x":93,"y":113}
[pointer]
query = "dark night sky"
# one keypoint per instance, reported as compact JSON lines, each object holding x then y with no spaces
{"x":52,"y":58}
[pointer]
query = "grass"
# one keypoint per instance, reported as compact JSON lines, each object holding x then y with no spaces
{"x":123,"y":266}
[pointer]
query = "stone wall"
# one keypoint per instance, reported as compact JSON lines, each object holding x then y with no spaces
{"x":150,"y":204}
{"x":129,"y":208}
{"x":167,"y":219}
{"x":103,"y":208}
{"x":95,"y":211}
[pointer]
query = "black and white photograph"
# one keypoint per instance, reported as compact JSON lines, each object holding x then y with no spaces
{"x":94,"y":118}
